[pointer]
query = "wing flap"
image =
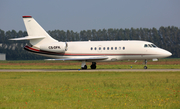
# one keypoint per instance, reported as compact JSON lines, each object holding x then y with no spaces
{"x":78,"y":59}
{"x":28,"y":38}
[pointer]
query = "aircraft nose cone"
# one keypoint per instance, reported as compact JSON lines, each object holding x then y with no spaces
{"x":168,"y":53}
{"x":164,"y":53}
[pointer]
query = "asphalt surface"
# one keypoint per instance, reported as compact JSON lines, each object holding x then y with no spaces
{"x":89,"y":70}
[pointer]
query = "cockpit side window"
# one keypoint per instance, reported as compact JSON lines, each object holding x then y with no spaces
{"x":149,"y":45}
{"x":145,"y":45}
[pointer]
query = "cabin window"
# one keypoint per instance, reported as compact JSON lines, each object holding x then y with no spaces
{"x":115,"y":48}
{"x":145,"y":45}
{"x":123,"y":48}
{"x":107,"y":48}
{"x":111,"y":48}
{"x":91,"y":48}
{"x":104,"y":48}
{"x":99,"y":48}
{"x":95,"y":48}
{"x":119,"y":48}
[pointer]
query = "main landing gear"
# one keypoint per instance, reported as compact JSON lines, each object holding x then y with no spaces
{"x":145,"y":62}
{"x":93,"y":66}
{"x":84,"y":66}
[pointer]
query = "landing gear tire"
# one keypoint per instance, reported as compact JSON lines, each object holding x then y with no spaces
{"x":85,"y":67}
{"x":145,"y":62}
{"x":145,"y":67}
{"x":93,"y":66}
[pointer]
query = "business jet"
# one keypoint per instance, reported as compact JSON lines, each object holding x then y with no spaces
{"x":88,"y":51}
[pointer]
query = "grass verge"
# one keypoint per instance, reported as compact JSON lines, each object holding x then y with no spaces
{"x":41,"y":64}
{"x":98,"y":66}
{"x":90,"y":90}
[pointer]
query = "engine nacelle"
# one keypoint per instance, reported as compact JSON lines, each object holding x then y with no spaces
{"x":59,"y":47}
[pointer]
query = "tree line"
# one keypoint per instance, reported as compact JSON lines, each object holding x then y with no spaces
{"x":165,"y":37}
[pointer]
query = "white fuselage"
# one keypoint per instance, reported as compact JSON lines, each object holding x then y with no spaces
{"x":114,"y":50}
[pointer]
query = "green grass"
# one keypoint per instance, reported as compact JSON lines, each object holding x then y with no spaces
{"x":24,"y":65}
{"x":132,"y":90}
{"x":98,"y":67}
{"x":138,"y":66}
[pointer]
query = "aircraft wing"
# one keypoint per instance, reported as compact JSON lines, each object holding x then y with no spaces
{"x":79,"y":59}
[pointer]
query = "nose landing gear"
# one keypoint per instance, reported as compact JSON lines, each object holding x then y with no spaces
{"x":145,"y":62}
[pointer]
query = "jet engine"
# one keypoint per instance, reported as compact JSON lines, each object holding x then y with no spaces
{"x":59,"y":47}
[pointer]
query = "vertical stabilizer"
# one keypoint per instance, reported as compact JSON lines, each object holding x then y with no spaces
{"x":35,"y":30}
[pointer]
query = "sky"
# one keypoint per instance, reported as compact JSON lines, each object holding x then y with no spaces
{"x":78,"y":15}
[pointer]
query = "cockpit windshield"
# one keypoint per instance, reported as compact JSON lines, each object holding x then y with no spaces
{"x":150,"y":45}
{"x":154,"y":45}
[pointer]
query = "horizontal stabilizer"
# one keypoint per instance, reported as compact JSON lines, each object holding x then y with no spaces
{"x":28,"y":38}
{"x":78,"y":59}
